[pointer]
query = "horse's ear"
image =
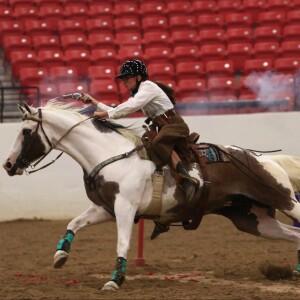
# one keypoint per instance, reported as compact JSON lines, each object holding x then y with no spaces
{"x":27,"y":107}
{"x":21,"y":108}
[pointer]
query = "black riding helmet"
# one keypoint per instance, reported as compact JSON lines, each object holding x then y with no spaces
{"x":133,"y":67}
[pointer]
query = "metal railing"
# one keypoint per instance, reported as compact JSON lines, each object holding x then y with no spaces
{"x":31,"y":93}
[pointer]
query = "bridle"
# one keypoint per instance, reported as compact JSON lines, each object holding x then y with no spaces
{"x":21,"y":161}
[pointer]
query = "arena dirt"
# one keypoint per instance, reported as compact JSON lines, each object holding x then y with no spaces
{"x":214,"y":262}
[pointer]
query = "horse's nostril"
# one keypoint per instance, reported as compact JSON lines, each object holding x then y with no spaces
{"x":8,"y":165}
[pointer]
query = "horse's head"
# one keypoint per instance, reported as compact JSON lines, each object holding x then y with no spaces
{"x":30,"y":144}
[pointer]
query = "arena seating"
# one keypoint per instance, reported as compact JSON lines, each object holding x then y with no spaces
{"x":186,"y":43}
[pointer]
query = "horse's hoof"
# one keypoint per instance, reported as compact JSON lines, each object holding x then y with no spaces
{"x":110,"y":286}
{"x":60,"y":259}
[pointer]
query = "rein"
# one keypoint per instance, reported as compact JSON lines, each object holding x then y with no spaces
{"x":23,"y":162}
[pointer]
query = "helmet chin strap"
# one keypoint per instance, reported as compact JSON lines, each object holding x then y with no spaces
{"x":138,"y":83}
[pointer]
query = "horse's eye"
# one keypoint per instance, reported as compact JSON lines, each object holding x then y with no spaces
{"x":26,"y":131}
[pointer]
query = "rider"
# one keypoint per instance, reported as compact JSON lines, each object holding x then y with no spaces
{"x":153,"y":100}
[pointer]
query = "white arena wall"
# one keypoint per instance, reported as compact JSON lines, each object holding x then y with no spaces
{"x":57,"y":192}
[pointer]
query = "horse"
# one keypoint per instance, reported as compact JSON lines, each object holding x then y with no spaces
{"x":245,"y":187}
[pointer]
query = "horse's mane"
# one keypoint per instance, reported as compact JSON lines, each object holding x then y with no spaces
{"x":81,"y":111}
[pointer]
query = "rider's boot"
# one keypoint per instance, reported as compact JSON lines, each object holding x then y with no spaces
{"x":158,"y":229}
{"x":189,"y":183}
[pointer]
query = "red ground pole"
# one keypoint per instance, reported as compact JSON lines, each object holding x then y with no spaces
{"x":140,"y":261}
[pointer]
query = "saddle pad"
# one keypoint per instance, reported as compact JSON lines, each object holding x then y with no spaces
{"x":213,"y":153}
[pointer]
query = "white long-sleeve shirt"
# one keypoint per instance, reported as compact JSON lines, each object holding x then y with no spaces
{"x":150,"y":98}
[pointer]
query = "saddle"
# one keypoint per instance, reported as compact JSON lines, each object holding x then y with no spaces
{"x":199,"y":154}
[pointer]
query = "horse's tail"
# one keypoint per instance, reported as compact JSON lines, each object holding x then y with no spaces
{"x":291,"y":165}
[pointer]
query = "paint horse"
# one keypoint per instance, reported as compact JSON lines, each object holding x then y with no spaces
{"x":247,"y":188}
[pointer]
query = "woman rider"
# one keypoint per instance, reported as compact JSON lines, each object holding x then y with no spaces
{"x":149,"y":97}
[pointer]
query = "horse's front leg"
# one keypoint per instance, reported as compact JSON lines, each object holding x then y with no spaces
{"x":125,"y":211}
{"x":93,"y":215}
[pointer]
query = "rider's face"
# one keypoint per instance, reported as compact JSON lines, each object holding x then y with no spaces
{"x":130,"y":82}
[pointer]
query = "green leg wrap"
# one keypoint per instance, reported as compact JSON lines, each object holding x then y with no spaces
{"x":65,"y":243}
{"x":118,"y":275}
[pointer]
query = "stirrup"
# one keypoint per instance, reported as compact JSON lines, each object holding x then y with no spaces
{"x":158,"y":229}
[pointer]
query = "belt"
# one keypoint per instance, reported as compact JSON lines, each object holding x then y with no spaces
{"x":169,"y":113}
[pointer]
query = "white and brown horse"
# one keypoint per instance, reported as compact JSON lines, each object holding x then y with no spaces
{"x":246,"y":188}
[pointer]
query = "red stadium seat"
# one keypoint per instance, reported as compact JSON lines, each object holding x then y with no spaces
{"x":128,"y":38}
{"x":290,"y":49}
{"x":191,"y":90}
{"x":48,"y":91}
{"x":6,"y":13}
{"x":9,"y":28}
{"x":161,"y":71}
{"x":254,"y":7}
{"x":72,"y":87}
{"x":190,"y":69}
{"x":80,"y":59}
{"x":291,"y":33}
{"x":282,"y":5}
{"x":211,"y":36}
{"x":104,"y":56}
{"x":228,"y":6}
{"x":71,"y":26}
{"x":295,"y":4}
{"x":126,"y":9}
{"x":38,"y":27}
{"x":153,"y":8}
{"x":221,"y":88}
{"x":287,"y":65}
{"x":178,"y":8}
{"x":203,"y":7}
{"x":185,"y":53}
{"x":238,"y":53}
{"x":155,"y":23}
{"x":74,"y":41}
{"x":46,"y":42}
{"x":182,"y":22}
{"x":258,"y":65}
{"x":247,"y":88}
{"x":156,"y":38}
{"x":272,"y":18}
{"x":51,"y":13}
{"x":183,"y":37}
{"x":210,"y":21}
{"x":240,"y":20}
{"x":33,"y":76}
{"x":212,"y":52}
{"x":239,"y":35}
{"x":127,"y":24}
{"x":16,"y":3}
{"x":15,"y":43}
{"x":266,"y":50}
{"x":101,"y":40}
{"x":105,"y":90}
{"x":100,"y":25}
{"x":101,"y":72}
{"x":100,"y":10}
{"x":293,"y":17}
{"x":158,"y":54}
{"x":219,"y":68}
{"x":24,"y":13}
{"x":76,"y":11}
{"x":267,"y":33}
{"x":50,"y":58}
{"x":63,"y":73}
{"x":130,"y":52}
{"x":42,"y":3}
{"x":21,"y":59}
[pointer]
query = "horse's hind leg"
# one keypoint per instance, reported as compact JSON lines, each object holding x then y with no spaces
{"x":260,"y":221}
{"x":93,"y":215}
